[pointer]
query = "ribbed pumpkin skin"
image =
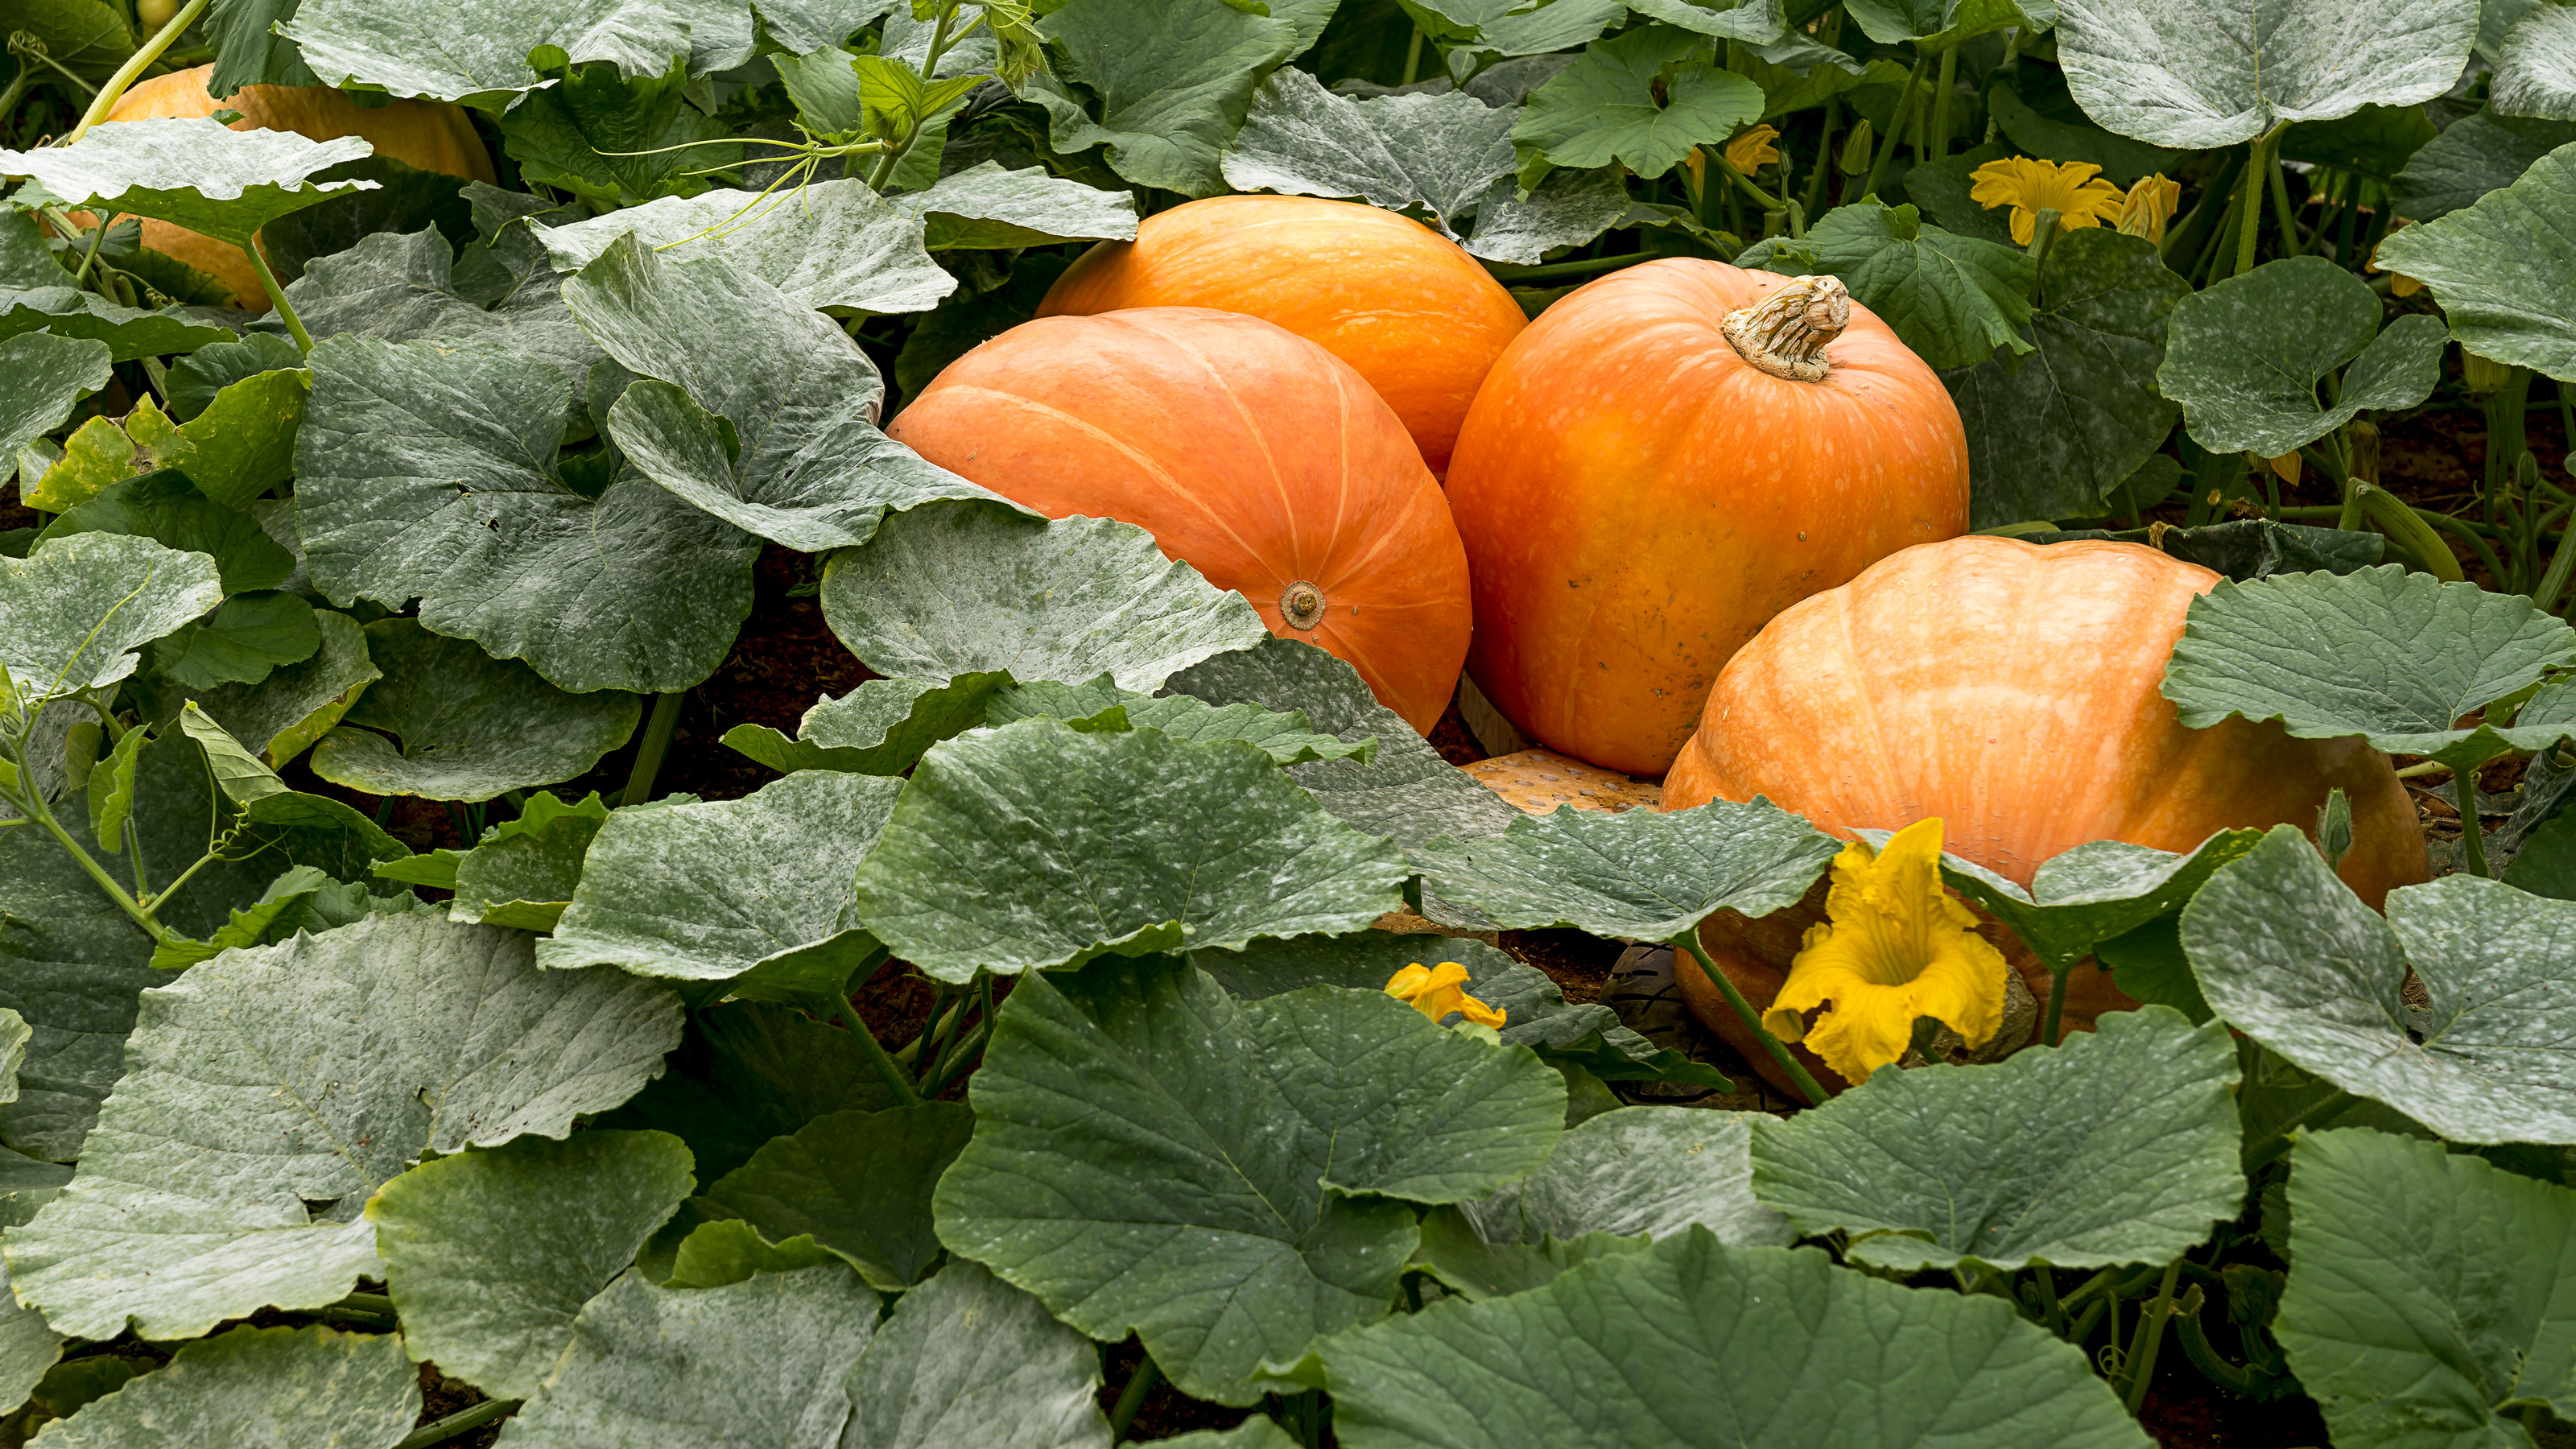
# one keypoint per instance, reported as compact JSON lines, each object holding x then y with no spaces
{"x":1251,"y":454}
{"x":2010,"y":690}
{"x":1418,"y":317}
{"x":1638,"y":500}
{"x":426,"y":135}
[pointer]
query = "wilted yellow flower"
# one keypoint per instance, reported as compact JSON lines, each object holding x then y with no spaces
{"x":2399,"y":284}
{"x":2148,"y":206}
{"x":1897,"y":947}
{"x":2079,"y":196}
{"x":2286,"y":467}
{"x":1438,"y":991}
{"x":1753,"y":150}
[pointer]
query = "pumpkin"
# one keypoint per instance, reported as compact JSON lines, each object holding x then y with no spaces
{"x":1418,"y":317}
{"x":1250,"y":453}
{"x":1664,"y":460}
{"x":2011,"y":690}
{"x":425,"y":135}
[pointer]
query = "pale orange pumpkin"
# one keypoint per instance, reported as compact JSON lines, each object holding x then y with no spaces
{"x":2011,"y":690}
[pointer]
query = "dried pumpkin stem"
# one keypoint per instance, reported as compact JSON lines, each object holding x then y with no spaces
{"x":1806,"y":1083}
{"x":1785,"y":333}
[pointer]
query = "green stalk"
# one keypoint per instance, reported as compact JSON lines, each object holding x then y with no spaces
{"x":277,"y":296}
{"x":2048,"y":1027}
{"x":2411,"y":529}
{"x":1806,"y":1083}
{"x":1940,"y":137}
{"x":458,"y":1424}
{"x":1141,"y":1382}
{"x":2151,"y":1336}
{"x":1412,"y":68}
{"x":2282,"y":216}
{"x":2506,"y":442}
{"x":2268,"y":1148}
{"x":836,"y":1010}
{"x":2043,"y":234}
{"x":2185,"y":239}
{"x":2055,"y":1311}
{"x":1510,"y":275}
{"x":893,"y":157}
{"x":2258,"y":155}
{"x":34,"y":808}
{"x":135,"y":64}
{"x":2473,"y":842}
{"x":2554,"y":582}
{"x":649,"y":751}
{"x":1744,"y":183}
{"x":97,"y":239}
{"x":1895,"y":127}
{"x":17,"y":88}
{"x":1825,"y":159}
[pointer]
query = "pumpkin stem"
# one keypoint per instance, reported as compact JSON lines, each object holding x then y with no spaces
{"x":1785,"y":333}
{"x":1302,"y":605}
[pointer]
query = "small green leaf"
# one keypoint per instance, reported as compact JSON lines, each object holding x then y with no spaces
{"x":987,"y":207}
{"x":857,"y":1183}
{"x":1441,"y":153}
{"x":111,"y":791}
{"x":195,"y":172}
{"x":2501,"y":268}
{"x":613,"y":140}
{"x":1100,"y":704}
{"x":479,"y":52}
{"x":240,"y":446}
{"x":464,"y":726}
{"x":198,"y":378}
{"x":49,"y":375}
{"x":73,"y":611}
{"x":1952,"y":299}
{"x":1171,"y":81}
{"x":1515,"y":27}
{"x":730,"y":1250}
{"x":2475,"y":155}
{"x":2092,"y":892}
{"x":167,"y":507}
{"x":966,"y":1361}
{"x":750,"y":1071}
{"x":297,"y":704}
{"x":258,"y":1386}
{"x":1757,"y":21}
{"x":279,"y":909}
{"x":879,"y":728}
{"x":241,"y":642}
{"x":14,"y":1033}
{"x":830,"y":244}
{"x":129,"y":332}
{"x":2244,"y":357}
{"x":523,"y":872}
{"x":1643,"y":98}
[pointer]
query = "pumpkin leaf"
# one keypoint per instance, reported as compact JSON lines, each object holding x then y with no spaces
{"x":748,"y":1071}
{"x":2245,"y":549}
{"x":27,"y":1347}
{"x":2081,"y":897}
{"x":830,"y":244}
{"x":879,"y":728}
{"x":240,"y":446}
{"x":129,"y":332}
{"x":1780,"y":1345}
{"x":405,"y":200}
{"x":952,"y":589}
{"x":246,"y":637}
{"x":2397,"y":1317}
{"x":1952,"y":299}
{"x":1644,"y":98}
{"x":1514,"y":27}
{"x":2495,"y":265}
{"x":612,"y":140}
{"x":2055,"y":434}
{"x":70,"y":966}
{"x":284,"y":713}
{"x":806,"y":26}
{"x":146,"y":1237}
{"x":2123,"y":161}
{"x":755,"y":892}
{"x":1568,"y":209}
{"x":1100,"y":704}
{"x":967,"y":1360}
{"x":522,"y":872}
{"x":1646,"y":1172}
{"x":1038,"y":846}
{"x":857,"y":1183}
{"x":2244,"y":356}
{"x":2393,"y":656}
{"x":746,"y":1365}
{"x":2285,"y":954}
{"x":2120,"y":1146}
{"x":1440,"y":153}
{"x":248,"y":52}
{"x":730,"y":1251}
{"x":755,"y":408}
{"x":986,"y":207}
{"x":1944,"y":23}
{"x":74,"y":610}
{"x":2535,"y":71}
{"x":482,"y":53}
{"x":1639,"y":875}
{"x":2476,"y":155}
{"x":1759,"y":22}
{"x":258,"y":1385}
{"x":14,"y":1033}
{"x":196,"y":173}
{"x":2178,"y":74}
{"x":1172,"y":80}
{"x":464,"y":725}
{"x":168,"y":508}
{"x":405,"y":288}
{"x":490,"y":1255}
{"x":199,"y":764}
{"x":430,"y":471}
{"x":87,"y":37}
{"x":49,"y":375}
{"x":198,"y":378}
{"x":1265,"y":1148}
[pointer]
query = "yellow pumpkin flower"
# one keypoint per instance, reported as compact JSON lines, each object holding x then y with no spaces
{"x":2286,"y":467}
{"x":1897,"y":947}
{"x":1753,"y":150}
{"x":2149,"y":205}
{"x":2079,"y":197}
{"x":1438,"y":991}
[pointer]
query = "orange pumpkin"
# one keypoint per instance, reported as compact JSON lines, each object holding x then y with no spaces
{"x":426,"y":135}
{"x":1250,"y":454}
{"x":1418,"y":317}
{"x":1639,"y":493}
{"x":2011,"y":691}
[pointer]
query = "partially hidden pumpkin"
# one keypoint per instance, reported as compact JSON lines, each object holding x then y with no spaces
{"x":425,"y":135}
{"x":1664,"y":460}
{"x":2011,"y":690}
{"x":1418,"y":317}
{"x":1250,"y":453}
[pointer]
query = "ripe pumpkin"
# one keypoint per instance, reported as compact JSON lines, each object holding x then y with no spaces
{"x":2010,"y":690}
{"x":1664,"y":460}
{"x":1250,"y":454}
{"x":1418,"y":317}
{"x":425,"y":135}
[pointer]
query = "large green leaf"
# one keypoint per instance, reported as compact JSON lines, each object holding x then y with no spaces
{"x":1639,"y":875}
{"x":2285,"y":954}
{"x":27,"y":1347}
{"x":858,"y":1183}
{"x":2178,"y":73}
{"x":2535,"y":72}
{"x":1099,"y":704}
{"x":1440,"y":153}
{"x":241,"y":642}
{"x":1517,"y":27}
{"x":754,"y":1364}
{"x":985,"y":207}
{"x":1170,"y":80}
{"x":252,"y":1388}
{"x":429,"y":471}
{"x":2123,"y":161}
{"x":489,"y":1255}
{"x":129,"y":332}
{"x":756,"y":408}
{"x":612,"y":140}
{"x":1644,"y":98}
{"x":1568,"y":209}
{"x":480,"y":52}
{"x":749,"y":1071}
{"x":1261,"y":1150}
{"x":1036,"y":845}
{"x":2120,"y":1146}
{"x":879,"y":728}
{"x":1694,"y":1345}
{"x":89,"y":37}
{"x":168,"y":508}
{"x":195,"y":172}
{"x":2054,"y":434}
{"x":1952,"y":299}
{"x":2424,"y":1299}
{"x":830,"y":244}
{"x":967,"y":1361}
{"x":49,"y":375}
{"x":2394,"y":656}
{"x":73,"y":611}
{"x":2502,"y":267}
{"x":402,"y":288}
{"x":270,"y":1091}
{"x":248,"y":52}
{"x":464,"y":725}
{"x":2243,"y":357}
{"x":754,"y":891}
{"x":2091,"y":893}
{"x":2476,"y":155}
{"x":952,"y":589}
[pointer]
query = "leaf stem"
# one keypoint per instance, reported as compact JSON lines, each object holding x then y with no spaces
{"x":2141,"y":1366}
{"x":1141,"y":1382}
{"x":1761,"y":198}
{"x":1508,"y":275}
{"x":1412,"y":69}
{"x":836,"y":1010}
{"x":1949,"y":81}
{"x":658,"y":730}
{"x":135,"y":64}
{"x":1895,"y":127}
{"x":2473,"y":844}
{"x":2054,"y":1310}
{"x":2258,"y":156}
{"x":458,"y":1424}
{"x":2050,"y":1024}
{"x":1688,"y":940}
{"x":2268,"y":1148}
{"x":97,"y":239}
{"x":277,"y":296}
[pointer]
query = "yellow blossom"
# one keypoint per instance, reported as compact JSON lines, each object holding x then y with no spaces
{"x":2148,"y":206}
{"x":1897,"y":947}
{"x":1438,"y":991}
{"x":2286,"y":467}
{"x":2078,"y":196}
{"x":2399,"y":284}
{"x":1753,"y":150}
